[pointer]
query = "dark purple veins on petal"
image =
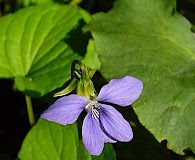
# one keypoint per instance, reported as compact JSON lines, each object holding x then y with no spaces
{"x":105,"y":132}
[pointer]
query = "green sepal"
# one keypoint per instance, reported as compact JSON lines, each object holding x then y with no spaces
{"x":91,"y":72}
{"x":68,"y":89}
{"x":86,"y":88}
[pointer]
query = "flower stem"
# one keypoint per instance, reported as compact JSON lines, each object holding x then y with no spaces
{"x":30,"y":110}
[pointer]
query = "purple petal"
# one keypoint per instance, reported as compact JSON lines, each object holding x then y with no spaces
{"x":114,"y":124}
{"x":108,"y":139}
{"x":65,"y":110}
{"x":92,"y":135}
{"x":123,"y":91}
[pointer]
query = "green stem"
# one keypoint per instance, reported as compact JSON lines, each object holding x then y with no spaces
{"x":30,"y":110}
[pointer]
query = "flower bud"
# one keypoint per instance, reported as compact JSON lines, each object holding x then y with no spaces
{"x":81,"y":79}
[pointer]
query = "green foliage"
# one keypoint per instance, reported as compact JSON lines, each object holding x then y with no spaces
{"x":146,"y":39}
{"x":49,"y":141}
{"x":149,"y":40}
{"x":107,"y":152}
{"x":34,"y":54}
{"x":91,"y":58}
{"x":32,"y":51}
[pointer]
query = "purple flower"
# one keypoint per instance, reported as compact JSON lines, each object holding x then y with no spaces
{"x":103,"y":123}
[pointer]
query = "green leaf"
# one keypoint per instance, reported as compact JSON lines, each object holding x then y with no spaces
{"x":32,"y":50}
{"x":107,"y":152}
{"x":49,"y":141}
{"x":91,"y":59}
{"x":143,"y":146}
{"x":191,"y":158}
{"x":149,"y":40}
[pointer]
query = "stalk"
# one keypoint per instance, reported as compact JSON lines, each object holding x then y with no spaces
{"x":30,"y":110}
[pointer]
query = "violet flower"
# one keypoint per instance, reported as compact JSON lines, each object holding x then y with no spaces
{"x":103,"y":123}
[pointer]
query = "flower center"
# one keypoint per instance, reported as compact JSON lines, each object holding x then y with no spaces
{"x":93,"y":107}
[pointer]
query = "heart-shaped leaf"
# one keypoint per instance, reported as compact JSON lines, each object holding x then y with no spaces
{"x":148,"y":39}
{"x":32,"y":50}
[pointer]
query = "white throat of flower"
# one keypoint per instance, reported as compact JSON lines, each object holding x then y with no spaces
{"x":94,"y":108}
